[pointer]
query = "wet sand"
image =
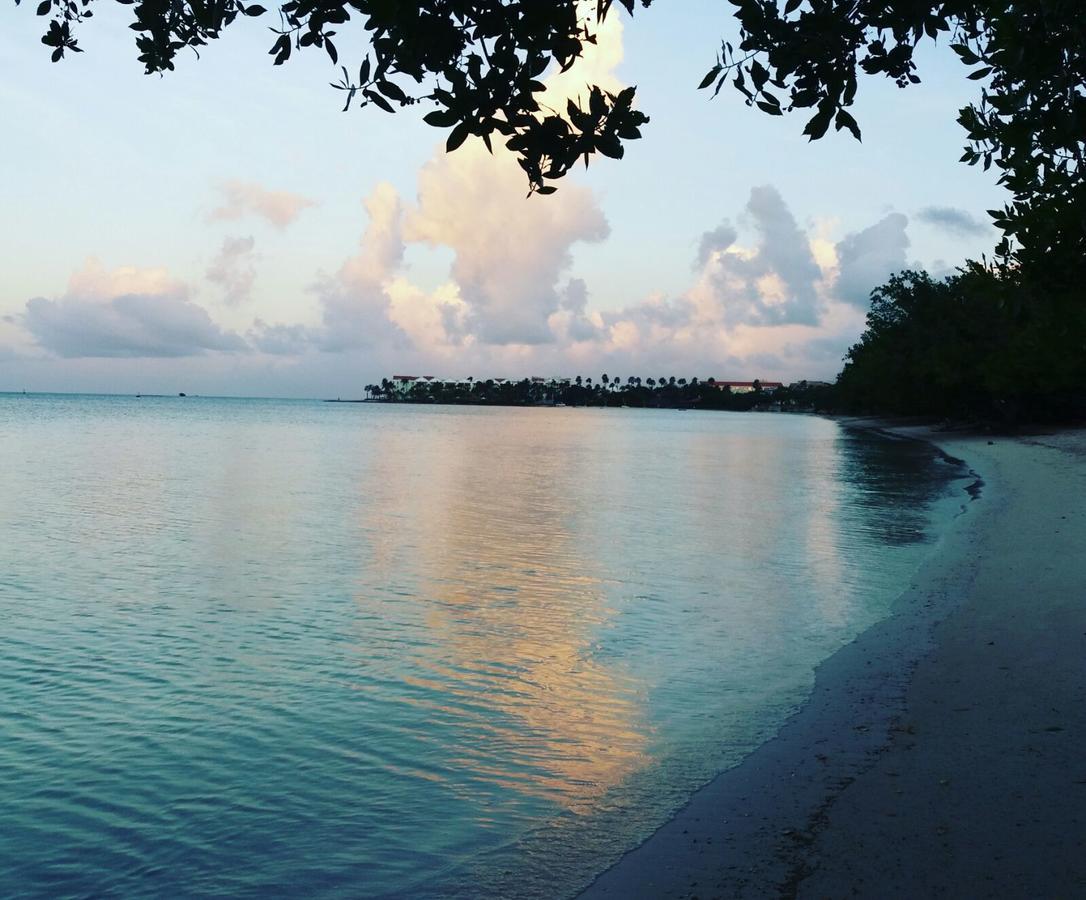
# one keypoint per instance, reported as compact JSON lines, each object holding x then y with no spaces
{"x":942,"y":753}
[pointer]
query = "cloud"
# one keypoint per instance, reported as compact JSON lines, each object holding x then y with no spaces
{"x":578,"y":323}
{"x":356,"y":303}
{"x":510,"y":252}
{"x":232,"y":269}
{"x":125,"y":312}
{"x":279,"y":339}
{"x":954,"y":220}
{"x":769,"y":298}
{"x":244,"y":198}
{"x":866,"y":259}
{"x":720,"y":238}
{"x":763,"y":299}
{"x":777,"y":283}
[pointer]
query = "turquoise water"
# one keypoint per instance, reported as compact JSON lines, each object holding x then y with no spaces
{"x":289,"y":648}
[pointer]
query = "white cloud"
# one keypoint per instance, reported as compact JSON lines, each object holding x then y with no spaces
{"x":125,"y":312}
{"x":245,"y":198}
{"x":510,"y":251}
{"x":768,"y":297}
{"x":355,"y":303}
{"x":777,"y":283}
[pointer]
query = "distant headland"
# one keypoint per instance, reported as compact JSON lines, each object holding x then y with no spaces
{"x":665,"y":392}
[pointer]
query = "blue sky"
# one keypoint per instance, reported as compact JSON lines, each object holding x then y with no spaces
{"x":209,"y":230}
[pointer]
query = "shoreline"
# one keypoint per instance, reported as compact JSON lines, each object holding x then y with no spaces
{"x":938,"y":753}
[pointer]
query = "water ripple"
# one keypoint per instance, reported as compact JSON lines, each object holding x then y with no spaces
{"x":256,"y":647}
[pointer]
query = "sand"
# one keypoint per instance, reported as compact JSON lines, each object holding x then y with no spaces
{"x":942,"y":753}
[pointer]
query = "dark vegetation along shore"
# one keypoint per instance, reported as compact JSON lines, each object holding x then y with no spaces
{"x":665,"y":392}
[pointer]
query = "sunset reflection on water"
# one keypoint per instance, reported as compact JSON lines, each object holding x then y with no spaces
{"x":513,"y":606}
{"x":299,"y":649}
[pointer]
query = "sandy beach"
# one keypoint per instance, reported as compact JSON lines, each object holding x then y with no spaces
{"x":941,"y":753}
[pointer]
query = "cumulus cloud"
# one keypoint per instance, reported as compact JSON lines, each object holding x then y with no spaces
{"x":245,"y":198}
{"x":769,"y":298}
{"x":867,"y":258}
{"x":125,"y":312}
{"x":777,"y":283}
{"x":233,"y":269}
{"x":573,"y":317}
{"x":764,"y":300}
{"x":510,"y":251}
{"x":714,"y":241}
{"x":356,"y":303}
{"x":954,"y":220}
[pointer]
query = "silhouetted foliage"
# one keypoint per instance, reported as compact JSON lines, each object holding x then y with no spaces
{"x":477,"y":65}
{"x":1030,"y":55}
{"x":996,"y":342}
{"x":667,"y":393}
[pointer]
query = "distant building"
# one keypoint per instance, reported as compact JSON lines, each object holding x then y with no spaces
{"x":744,"y":387}
{"x":401,"y":384}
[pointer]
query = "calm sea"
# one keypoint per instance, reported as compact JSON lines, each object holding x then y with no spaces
{"x":270,"y":648}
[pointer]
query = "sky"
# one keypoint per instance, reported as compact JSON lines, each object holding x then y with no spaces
{"x":227,"y":230}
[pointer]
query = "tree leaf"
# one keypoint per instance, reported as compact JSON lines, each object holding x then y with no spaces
{"x":844,"y":119}
{"x":441,"y":118}
{"x":458,"y":136}
{"x":391,"y":90}
{"x":378,"y":100}
{"x":818,"y":124}
{"x":710,"y":77}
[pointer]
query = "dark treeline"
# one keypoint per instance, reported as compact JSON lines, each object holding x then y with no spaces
{"x":665,"y":392}
{"x":1000,"y":343}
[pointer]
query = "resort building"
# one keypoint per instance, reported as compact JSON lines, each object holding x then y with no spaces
{"x":401,"y":384}
{"x":744,"y":387}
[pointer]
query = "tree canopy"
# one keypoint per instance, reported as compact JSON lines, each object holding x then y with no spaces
{"x":476,"y":65}
{"x":992,"y":342}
